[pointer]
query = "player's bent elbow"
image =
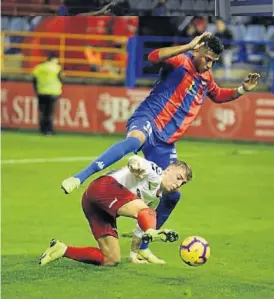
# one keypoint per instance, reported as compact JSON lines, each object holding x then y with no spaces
{"x":154,"y":57}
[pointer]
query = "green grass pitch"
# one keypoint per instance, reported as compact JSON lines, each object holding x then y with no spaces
{"x":230,"y":202}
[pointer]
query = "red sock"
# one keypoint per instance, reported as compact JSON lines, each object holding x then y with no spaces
{"x":88,"y":255}
{"x":147,"y":219}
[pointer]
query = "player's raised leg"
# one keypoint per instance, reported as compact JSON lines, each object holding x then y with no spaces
{"x":116,"y":152}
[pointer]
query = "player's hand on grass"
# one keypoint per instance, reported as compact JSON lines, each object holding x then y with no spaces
{"x":251,"y":81}
{"x":197,"y":42}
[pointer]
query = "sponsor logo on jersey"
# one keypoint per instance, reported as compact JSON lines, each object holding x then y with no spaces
{"x":113,"y":202}
{"x":100,"y":164}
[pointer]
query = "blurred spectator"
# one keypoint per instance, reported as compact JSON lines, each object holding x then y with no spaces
{"x":165,"y":7}
{"x":197,"y":26}
{"x":141,"y":7}
{"x":159,"y":8}
{"x":48,"y":88}
{"x":94,"y":59}
{"x":225,"y":34}
{"x":236,"y":20}
{"x":63,"y":9}
{"x":189,"y":31}
{"x":200,"y":24}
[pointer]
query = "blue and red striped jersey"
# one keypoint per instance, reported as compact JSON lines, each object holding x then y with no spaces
{"x":176,"y":100}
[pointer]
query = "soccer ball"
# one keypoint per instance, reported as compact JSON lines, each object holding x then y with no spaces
{"x":194,"y":251}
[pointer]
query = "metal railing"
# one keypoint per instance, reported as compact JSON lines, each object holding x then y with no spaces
{"x":34,"y":46}
{"x":123,"y":58}
{"x":25,"y":9}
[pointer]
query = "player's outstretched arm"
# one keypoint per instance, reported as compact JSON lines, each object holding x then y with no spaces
{"x":222,"y":95}
{"x":160,"y":55}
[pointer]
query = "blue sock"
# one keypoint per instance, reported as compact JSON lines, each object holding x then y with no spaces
{"x":143,"y":246}
{"x":166,"y":206}
{"x":113,"y":154}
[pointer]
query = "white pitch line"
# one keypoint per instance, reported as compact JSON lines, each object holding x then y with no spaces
{"x":75,"y":159}
{"x":47,"y":160}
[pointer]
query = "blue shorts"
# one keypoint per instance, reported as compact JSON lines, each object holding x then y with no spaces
{"x":155,"y":150}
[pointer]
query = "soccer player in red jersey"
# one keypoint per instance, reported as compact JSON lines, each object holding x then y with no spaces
{"x":130,"y":192}
{"x":168,"y":111}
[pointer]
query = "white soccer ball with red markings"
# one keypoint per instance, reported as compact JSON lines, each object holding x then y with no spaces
{"x":194,"y":251}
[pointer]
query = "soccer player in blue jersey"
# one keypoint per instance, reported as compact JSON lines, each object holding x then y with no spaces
{"x":173,"y":104}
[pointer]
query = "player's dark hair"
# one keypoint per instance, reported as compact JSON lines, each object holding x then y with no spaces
{"x":185,"y":166}
{"x":214,"y":44}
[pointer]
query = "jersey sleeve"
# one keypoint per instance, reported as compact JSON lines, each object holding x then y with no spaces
{"x":175,"y":61}
{"x":218,"y":94}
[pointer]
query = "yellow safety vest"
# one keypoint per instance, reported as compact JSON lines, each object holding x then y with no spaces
{"x":47,"y":76}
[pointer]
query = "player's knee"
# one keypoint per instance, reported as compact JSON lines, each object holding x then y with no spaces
{"x":132,"y":208}
{"x":138,"y":134}
{"x":112,"y":260}
{"x":140,"y":205}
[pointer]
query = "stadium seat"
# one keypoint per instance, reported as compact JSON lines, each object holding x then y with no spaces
{"x":187,"y":6}
{"x":270,"y":38}
{"x":239,"y":51}
{"x":256,"y":33}
{"x":141,"y":4}
{"x":211,"y":5}
{"x":238,"y":31}
{"x":173,"y":5}
{"x":211,"y":28}
{"x":269,"y":32}
{"x":28,"y":7}
{"x":5,"y":23}
{"x":201,"y":5}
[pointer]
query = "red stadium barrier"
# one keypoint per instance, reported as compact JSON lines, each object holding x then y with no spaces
{"x":99,"y":109}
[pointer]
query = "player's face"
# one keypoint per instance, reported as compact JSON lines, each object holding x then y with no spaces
{"x":204,"y":59}
{"x":173,"y":178}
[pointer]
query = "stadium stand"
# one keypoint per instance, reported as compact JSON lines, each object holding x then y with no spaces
{"x":30,"y":7}
{"x":124,"y":7}
{"x":91,"y":47}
